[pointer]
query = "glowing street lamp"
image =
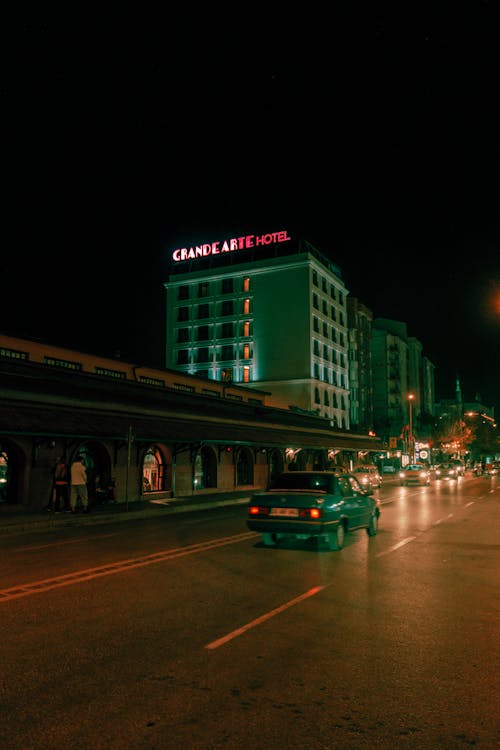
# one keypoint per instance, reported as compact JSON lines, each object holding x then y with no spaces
{"x":410,"y":432}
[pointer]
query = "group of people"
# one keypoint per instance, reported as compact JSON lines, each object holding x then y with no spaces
{"x":69,"y":485}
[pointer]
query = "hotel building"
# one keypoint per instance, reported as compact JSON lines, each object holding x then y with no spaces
{"x":264,"y":311}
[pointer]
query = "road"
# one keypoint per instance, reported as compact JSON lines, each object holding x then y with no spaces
{"x":185,"y":632}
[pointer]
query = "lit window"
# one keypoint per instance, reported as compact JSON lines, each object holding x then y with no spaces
{"x":246,"y":328}
{"x":246,"y":374}
{"x":246,"y":284}
{"x":246,"y":306}
{"x":246,"y":351}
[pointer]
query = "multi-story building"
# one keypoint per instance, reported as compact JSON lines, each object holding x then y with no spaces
{"x":359,"y":321}
{"x":265,"y":311}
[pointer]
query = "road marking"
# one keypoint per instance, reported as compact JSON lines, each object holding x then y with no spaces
{"x":440,"y":520}
{"x":37,"y":587}
{"x":68,"y":541}
{"x":235,"y":633}
{"x":396,"y":546}
{"x":471,"y":503}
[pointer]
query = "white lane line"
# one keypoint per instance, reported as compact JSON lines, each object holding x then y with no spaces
{"x":441,"y":520}
{"x":471,"y":503}
{"x":229,"y":637}
{"x":397,"y":546}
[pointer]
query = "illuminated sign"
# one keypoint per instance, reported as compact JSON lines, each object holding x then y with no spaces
{"x":229,"y":246}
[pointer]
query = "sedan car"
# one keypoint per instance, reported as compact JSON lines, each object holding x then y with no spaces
{"x":414,"y":474}
{"x":319,"y":505}
{"x":368,"y":476}
{"x":447,"y":471}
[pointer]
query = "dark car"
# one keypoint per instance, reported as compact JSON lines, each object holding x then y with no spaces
{"x":318,"y":505}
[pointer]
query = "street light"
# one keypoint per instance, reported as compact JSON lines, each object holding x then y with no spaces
{"x":410,"y":432}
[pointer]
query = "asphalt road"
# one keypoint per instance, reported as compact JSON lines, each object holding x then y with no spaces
{"x":185,"y":632}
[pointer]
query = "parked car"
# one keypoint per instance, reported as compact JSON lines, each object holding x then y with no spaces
{"x":446,"y":471}
{"x":368,"y":476}
{"x":414,"y":474}
{"x":319,"y":505}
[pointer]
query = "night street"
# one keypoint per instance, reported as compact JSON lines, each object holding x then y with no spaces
{"x":186,"y":632}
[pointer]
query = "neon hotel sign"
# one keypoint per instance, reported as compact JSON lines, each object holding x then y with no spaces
{"x":229,"y":246}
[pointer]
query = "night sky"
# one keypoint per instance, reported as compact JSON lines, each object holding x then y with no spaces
{"x":377,"y":140}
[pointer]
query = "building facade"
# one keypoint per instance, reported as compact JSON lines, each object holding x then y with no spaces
{"x":272,"y":317}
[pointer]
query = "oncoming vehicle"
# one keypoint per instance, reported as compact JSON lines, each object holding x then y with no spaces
{"x":446,"y":471}
{"x":414,"y":474}
{"x":318,"y":505}
{"x":368,"y":476}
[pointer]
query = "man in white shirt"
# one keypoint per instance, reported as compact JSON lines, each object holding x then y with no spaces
{"x":79,"y":485}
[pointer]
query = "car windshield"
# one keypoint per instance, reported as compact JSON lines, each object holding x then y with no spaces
{"x":413,"y":467}
{"x":292,"y":481}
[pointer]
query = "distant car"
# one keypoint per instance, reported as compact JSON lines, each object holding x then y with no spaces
{"x":368,"y":476}
{"x":318,"y":505}
{"x":446,"y":471}
{"x":459,"y":465}
{"x":414,"y":474}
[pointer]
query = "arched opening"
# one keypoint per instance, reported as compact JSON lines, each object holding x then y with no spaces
{"x":205,"y":469}
{"x":276,"y":463}
{"x":153,"y":470}
{"x":100,"y":482}
{"x":244,"y":467}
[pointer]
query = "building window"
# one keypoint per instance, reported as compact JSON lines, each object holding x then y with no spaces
{"x":316,"y":371}
{"x":227,"y":307}
{"x":227,"y":286}
{"x":203,"y":311}
{"x":323,"y":285}
{"x":205,"y":469}
{"x":315,"y":325}
{"x":335,"y":402}
{"x":341,"y":299}
{"x":332,"y":292}
{"x":324,"y":307}
{"x":203,"y":333}
{"x":246,"y":351}
{"x":153,"y":471}
{"x":315,"y":278}
{"x":326,"y":400}
{"x":246,"y":284}
{"x":203,"y":354}
{"x":315,"y":301}
{"x":246,"y":328}
{"x":325,"y":352}
{"x":246,"y":374}
{"x":227,"y":330}
{"x":317,"y":399}
{"x":182,"y":357}
{"x":341,"y":318}
{"x":325,"y":330}
{"x":316,"y":347}
{"x":183,"y":313}
{"x":333,"y":313}
{"x":334,"y":334}
{"x":341,"y":338}
{"x":246,"y":306}
{"x":227,"y":353}
{"x":182,"y":335}
{"x":203,"y":289}
{"x":183,"y":292}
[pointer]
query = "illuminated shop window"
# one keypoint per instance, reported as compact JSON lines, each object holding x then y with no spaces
{"x":153,"y":470}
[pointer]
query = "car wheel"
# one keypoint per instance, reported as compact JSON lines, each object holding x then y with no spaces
{"x":270,"y":540}
{"x":372,"y":527}
{"x":335,"y":540}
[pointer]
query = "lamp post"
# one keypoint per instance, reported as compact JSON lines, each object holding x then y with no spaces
{"x":410,"y":432}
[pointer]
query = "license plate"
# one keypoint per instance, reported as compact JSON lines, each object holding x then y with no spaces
{"x":289,"y":512}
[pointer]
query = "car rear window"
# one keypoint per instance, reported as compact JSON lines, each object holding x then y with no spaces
{"x":292,"y":481}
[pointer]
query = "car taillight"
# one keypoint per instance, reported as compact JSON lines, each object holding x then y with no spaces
{"x":257,"y":510}
{"x":311,"y":513}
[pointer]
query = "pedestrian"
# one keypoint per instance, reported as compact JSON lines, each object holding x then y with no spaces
{"x":79,"y":485}
{"x":61,"y":486}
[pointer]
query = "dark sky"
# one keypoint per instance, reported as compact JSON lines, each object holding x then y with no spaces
{"x":374,"y":137}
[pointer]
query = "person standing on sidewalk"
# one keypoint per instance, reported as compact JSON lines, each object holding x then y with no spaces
{"x":61,"y":486}
{"x":79,"y":485}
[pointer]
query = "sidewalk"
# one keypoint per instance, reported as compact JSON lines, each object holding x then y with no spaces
{"x":17,"y":519}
